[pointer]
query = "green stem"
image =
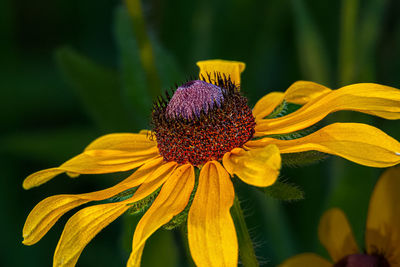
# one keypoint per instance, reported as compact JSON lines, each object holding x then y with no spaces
{"x":246,"y":250}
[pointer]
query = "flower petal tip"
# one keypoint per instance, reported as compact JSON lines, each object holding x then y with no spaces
{"x":26,"y":184}
{"x":26,"y":242}
{"x":40,"y":177}
{"x":73,"y":174}
{"x":27,"y":238}
{"x":231,"y":69}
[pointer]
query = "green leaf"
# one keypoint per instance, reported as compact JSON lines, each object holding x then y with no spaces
{"x":97,"y":87}
{"x":168,"y":69}
{"x":284,"y":191}
{"x":141,"y":206}
{"x":283,"y":109}
{"x":302,"y":158}
{"x":297,"y":134}
{"x":134,"y":84}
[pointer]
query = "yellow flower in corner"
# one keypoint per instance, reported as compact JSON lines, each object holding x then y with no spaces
{"x":382,"y":235}
{"x":207,"y":126}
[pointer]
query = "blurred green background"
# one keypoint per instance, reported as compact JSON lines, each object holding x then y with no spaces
{"x":74,"y":70}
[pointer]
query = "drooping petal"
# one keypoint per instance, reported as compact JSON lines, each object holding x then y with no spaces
{"x":130,"y":142}
{"x":336,"y":235}
{"x":211,"y":232}
{"x":267,"y":104}
{"x":93,"y":162}
{"x":85,"y":224}
{"x":40,"y":177}
{"x":302,"y":92}
{"x":173,"y":198}
{"x":45,"y":214}
{"x":258,"y":167}
{"x":374,"y":99}
{"x":383,"y":222}
{"x":80,"y":230}
{"x":306,"y":259}
{"x":231,"y":69}
{"x":357,"y":142}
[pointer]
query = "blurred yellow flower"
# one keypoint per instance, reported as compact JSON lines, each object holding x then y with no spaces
{"x":382,"y":235}
{"x":207,"y":125}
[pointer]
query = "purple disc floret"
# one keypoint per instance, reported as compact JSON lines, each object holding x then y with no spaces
{"x":193,"y":97}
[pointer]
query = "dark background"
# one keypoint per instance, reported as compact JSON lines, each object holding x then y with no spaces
{"x":73,"y":70}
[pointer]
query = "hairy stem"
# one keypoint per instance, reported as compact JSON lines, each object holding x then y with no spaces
{"x":246,"y":250}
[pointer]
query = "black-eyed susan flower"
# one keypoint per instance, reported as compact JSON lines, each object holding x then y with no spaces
{"x":382,"y":235}
{"x":206,"y":127}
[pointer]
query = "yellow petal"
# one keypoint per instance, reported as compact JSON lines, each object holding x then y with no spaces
{"x":306,"y":260}
{"x":231,"y":69}
{"x":135,"y":258}
{"x":211,"y":232}
{"x":383,"y":222}
{"x":45,"y":214}
{"x":139,"y":144}
{"x":85,"y":224}
{"x":115,"y":157}
{"x":72,"y":174}
{"x":81,"y":228}
{"x":357,"y":142}
{"x":155,"y":180}
{"x":267,"y":104}
{"x":173,"y":198}
{"x":144,"y":172}
{"x":374,"y":99}
{"x":258,"y":167}
{"x":92,"y":162}
{"x":40,"y":177}
{"x":336,"y":235}
{"x":302,"y":92}
{"x":123,"y":141}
